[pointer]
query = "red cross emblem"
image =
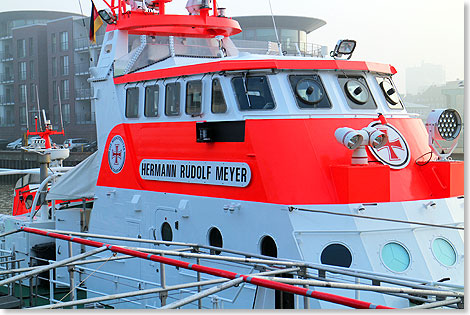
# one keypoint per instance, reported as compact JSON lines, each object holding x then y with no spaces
{"x":391,"y":146}
{"x":116,"y":154}
{"x":395,"y":152}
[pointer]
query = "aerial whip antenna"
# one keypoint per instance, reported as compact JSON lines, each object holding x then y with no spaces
{"x":275,"y":29}
{"x":39,"y":109}
{"x":26,"y":109}
{"x":60,"y":111}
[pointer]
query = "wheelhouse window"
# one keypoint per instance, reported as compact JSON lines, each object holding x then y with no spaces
{"x":151,"y":101}
{"x":172,"y":99}
{"x":132,"y":102}
{"x":253,"y":93}
{"x":357,"y":92}
{"x":309,"y":91}
{"x":194,"y":98}
{"x":390,"y":92}
{"x":218,"y":104}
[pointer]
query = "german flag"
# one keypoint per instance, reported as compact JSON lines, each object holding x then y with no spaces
{"x":95,"y":23}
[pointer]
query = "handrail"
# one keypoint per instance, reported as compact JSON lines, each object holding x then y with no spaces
{"x":354,"y":303}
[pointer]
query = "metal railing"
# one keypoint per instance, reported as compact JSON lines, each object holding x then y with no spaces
{"x":83,"y":94}
{"x":4,"y":100}
{"x":302,"y":274}
{"x":82,"y":68}
{"x":84,"y":43}
{"x":6,"y":78}
{"x":5,"y":55}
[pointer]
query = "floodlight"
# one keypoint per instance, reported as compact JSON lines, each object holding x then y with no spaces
{"x":107,"y":16}
{"x":443,"y":125}
{"x":376,"y":138}
{"x":348,"y":137}
{"x":344,"y":47}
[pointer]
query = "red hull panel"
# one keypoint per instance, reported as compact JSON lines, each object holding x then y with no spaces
{"x":292,"y":161}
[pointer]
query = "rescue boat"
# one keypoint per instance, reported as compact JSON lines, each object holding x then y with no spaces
{"x":304,"y":181}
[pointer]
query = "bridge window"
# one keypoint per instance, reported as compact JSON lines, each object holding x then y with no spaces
{"x":309,"y":91}
{"x":218,"y":104}
{"x":194,"y":98}
{"x":390,"y":92}
{"x":172,"y":99}
{"x":151,"y":101}
{"x":132,"y":102}
{"x":253,"y":93}
{"x":357,"y":92}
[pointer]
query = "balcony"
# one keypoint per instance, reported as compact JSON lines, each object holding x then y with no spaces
{"x":82,"y":44}
{"x":6,"y":56}
{"x":83,"y":94}
{"x":7,"y":78}
{"x":6,"y":100}
{"x":82,"y":69}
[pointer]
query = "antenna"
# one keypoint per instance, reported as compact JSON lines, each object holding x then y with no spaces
{"x":39,"y":109}
{"x":60,"y":110}
{"x":26,"y":109}
{"x":275,"y":29}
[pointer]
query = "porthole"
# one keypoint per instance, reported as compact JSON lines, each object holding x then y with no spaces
{"x":389,"y":91}
{"x":215,"y":239}
{"x":309,"y":91}
{"x":167,"y":233}
{"x":395,"y":257}
{"x":444,"y":252}
{"x":356,"y":91}
{"x":336,"y":255}
{"x":268,"y":247}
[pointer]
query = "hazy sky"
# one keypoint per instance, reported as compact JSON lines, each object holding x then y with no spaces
{"x":404,"y":33}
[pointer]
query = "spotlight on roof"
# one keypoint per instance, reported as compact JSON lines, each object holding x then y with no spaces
{"x":444,"y":127}
{"x":343,"y":47}
{"x":107,"y":16}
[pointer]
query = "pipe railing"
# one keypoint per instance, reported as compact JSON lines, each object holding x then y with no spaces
{"x":215,"y":272}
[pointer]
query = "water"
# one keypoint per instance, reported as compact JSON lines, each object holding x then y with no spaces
{"x":6,"y":198}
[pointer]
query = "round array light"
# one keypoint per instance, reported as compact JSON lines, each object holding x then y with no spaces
{"x":395,"y":257}
{"x":449,"y":124}
{"x":444,"y":252}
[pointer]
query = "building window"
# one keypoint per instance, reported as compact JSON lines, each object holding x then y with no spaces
{"x":53,"y":43}
{"x":151,"y":101}
{"x":132,"y":102}
{"x":23,"y":115}
{"x":32,"y":93}
{"x":32,"y":73}
{"x":253,"y":93}
{"x":21,"y":48}
{"x":66,"y":113}
{"x":172,"y":99}
{"x":218,"y":104}
{"x":31,"y":46}
{"x":194,"y":97}
{"x":54,"y":91}
{"x":54,"y":66}
{"x":64,"y":41}
{"x":22,"y":91}
{"x":64,"y":65}
{"x":65,"y":93}
{"x":22,"y":70}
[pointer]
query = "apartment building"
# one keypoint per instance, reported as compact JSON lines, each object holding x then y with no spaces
{"x":44,"y":61}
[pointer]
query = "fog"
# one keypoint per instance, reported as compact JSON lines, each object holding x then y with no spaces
{"x":403,"y":33}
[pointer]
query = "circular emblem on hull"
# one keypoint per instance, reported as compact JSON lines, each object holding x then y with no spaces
{"x":116,"y":154}
{"x":395,"y":152}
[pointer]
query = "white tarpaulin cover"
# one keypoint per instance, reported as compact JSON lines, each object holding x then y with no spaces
{"x":78,"y":183}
